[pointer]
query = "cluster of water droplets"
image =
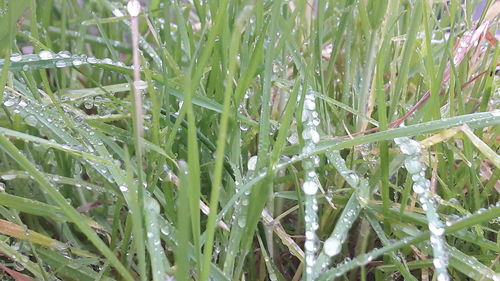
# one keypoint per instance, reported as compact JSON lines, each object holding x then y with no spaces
{"x":47,"y":119}
{"x":60,"y":60}
{"x":421,"y":186}
{"x":311,"y":183}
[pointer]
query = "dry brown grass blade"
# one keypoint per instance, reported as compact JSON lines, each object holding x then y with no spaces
{"x":11,"y":229}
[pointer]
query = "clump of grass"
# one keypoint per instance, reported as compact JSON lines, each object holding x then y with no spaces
{"x":249,"y":140}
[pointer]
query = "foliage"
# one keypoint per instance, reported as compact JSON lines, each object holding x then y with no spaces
{"x":278,"y":140}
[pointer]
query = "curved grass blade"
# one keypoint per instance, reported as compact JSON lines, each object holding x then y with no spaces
{"x":474,"y":121}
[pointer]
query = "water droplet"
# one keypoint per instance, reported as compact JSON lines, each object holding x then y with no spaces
{"x":60,"y":64}
{"x":31,"y":120}
{"x":420,"y":187}
{"x":16,"y":57}
{"x":10,"y":102}
{"x":293,"y":138}
{"x":314,"y":136}
{"x":134,"y":8}
{"x":252,"y":163}
{"x":123,"y":188}
{"x":77,"y":62}
{"x":310,"y":187}
{"x":22,"y":103}
{"x":64,"y":54}
{"x":309,"y":245}
{"x":413,"y":165}
{"x":88,"y":103}
{"x":242,"y":221}
{"x":309,"y":104}
{"x":244,"y":127}
{"x":410,"y":148}
{"x":8,"y":177}
{"x":438,"y":263}
{"x":332,"y":247}
{"x":45,"y":55}
{"x":443,"y":277}
{"x":436,"y":229}
{"x":18,"y":266}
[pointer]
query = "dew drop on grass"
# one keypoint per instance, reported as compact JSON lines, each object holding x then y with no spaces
{"x":309,"y":104}
{"x":310,"y":187}
{"x":438,"y":263}
{"x":16,"y":57}
{"x":314,"y":136}
{"x":252,"y":163}
{"x":64,"y":54}
{"x":134,"y":8}
{"x":332,"y":247}
{"x":413,"y":165}
{"x":77,"y":62}
{"x":31,"y":120}
{"x":244,"y":127}
{"x":10,"y":102}
{"x":18,"y":266}
{"x":443,"y":277}
{"x":419,"y":187}
{"x":92,"y":60}
{"x":436,"y":229}
{"x":45,"y":55}
{"x":22,"y":103}
{"x":60,"y":64}
{"x":88,"y":103}
{"x":242,"y":221}
{"x":8,"y":177}
{"x":309,"y":245}
{"x":123,"y":188}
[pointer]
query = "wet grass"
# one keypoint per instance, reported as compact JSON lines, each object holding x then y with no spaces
{"x":348,"y":140}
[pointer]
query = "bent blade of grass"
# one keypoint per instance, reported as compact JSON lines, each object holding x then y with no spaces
{"x":74,"y":216}
{"x":474,"y":121}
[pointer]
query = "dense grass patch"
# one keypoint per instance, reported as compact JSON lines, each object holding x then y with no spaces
{"x":249,"y":140}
